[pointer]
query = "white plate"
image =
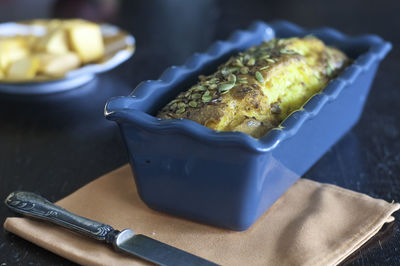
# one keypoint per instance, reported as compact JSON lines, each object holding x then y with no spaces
{"x":73,"y":78}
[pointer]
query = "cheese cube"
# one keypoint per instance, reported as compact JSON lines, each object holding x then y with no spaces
{"x":86,"y":40}
{"x":11,"y":49}
{"x":23,"y":69}
{"x":58,"y":64}
{"x":54,"y":42}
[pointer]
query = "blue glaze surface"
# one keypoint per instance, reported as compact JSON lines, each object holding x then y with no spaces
{"x":229,"y":179}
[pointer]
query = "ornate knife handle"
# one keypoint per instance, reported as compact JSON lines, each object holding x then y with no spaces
{"x":33,"y":205}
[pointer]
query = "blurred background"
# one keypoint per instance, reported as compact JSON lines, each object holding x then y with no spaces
{"x":182,"y":28}
{"x":54,"y":144}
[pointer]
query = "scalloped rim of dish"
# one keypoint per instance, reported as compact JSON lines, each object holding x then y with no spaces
{"x":88,"y":69}
{"x":378,"y":48}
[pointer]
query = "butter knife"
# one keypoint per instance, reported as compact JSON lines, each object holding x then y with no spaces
{"x":33,"y":205}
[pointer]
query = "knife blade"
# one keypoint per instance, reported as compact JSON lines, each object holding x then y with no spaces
{"x":149,"y":249}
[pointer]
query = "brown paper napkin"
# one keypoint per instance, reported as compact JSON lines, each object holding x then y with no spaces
{"x":311,"y":224}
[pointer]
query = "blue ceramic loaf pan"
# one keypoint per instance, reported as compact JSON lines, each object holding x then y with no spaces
{"x":229,"y":179}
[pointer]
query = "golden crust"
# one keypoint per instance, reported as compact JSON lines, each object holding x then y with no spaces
{"x":257,"y":89}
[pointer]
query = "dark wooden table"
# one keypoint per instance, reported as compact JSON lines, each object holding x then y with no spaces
{"x":54,"y":144}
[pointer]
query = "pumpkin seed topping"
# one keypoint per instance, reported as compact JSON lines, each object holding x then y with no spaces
{"x":265,"y":56}
{"x":251,"y":62}
{"x":330,"y":68}
{"x":232,"y":78}
{"x":244,"y":70}
{"x":238,"y":62}
{"x":196,"y":96}
{"x":234,"y":72}
{"x":213,"y":86}
{"x":225,"y":87}
{"x":173,"y":106}
{"x":174,"y":101}
{"x":206,"y":97}
{"x":329,"y":71}
{"x":180,"y":110}
{"x":259,"y":77}
{"x":199,"y":88}
{"x":226,"y":71}
{"x":193,"y":104}
{"x":214,"y":80}
{"x":243,"y":80}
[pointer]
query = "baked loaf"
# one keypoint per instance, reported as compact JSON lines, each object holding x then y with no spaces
{"x":255,"y":90}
